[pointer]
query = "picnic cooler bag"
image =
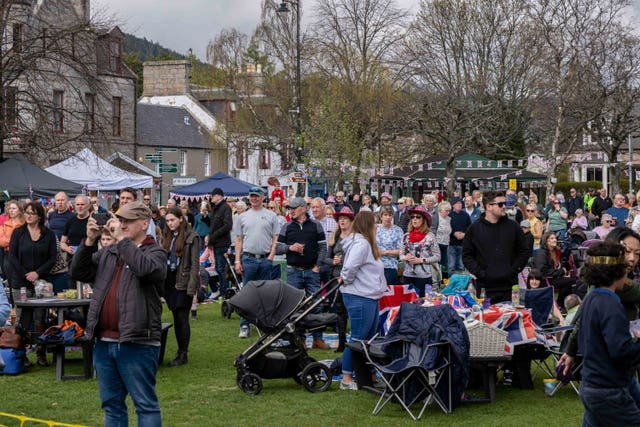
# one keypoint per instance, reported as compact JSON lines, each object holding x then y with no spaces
{"x":11,"y":361}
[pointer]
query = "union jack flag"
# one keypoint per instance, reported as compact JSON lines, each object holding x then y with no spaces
{"x":392,"y":298}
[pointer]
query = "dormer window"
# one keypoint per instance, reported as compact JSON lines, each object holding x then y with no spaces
{"x":115,"y":56}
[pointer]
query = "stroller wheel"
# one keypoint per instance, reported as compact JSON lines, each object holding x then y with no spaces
{"x":316,"y":377}
{"x":303,"y":363}
{"x":226,"y":310}
{"x":250,"y":383}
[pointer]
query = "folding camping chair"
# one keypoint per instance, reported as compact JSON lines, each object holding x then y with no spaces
{"x":416,"y":374}
{"x":540,"y":302}
{"x":574,"y":376}
{"x":424,"y":358}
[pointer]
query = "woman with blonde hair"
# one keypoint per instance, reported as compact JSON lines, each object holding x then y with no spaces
{"x":363,"y":284}
{"x":419,"y":249}
{"x":537,"y":228}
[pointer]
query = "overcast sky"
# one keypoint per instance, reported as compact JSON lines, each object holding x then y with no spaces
{"x":184,"y":24}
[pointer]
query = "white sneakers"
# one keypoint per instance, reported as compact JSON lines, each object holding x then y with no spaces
{"x":351,"y":386}
{"x":244,"y":332}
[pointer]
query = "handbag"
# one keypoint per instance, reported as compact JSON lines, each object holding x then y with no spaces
{"x":11,"y":337}
{"x":62,"y":263}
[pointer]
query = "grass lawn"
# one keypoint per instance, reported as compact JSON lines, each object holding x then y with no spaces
{"x":204,"y":393}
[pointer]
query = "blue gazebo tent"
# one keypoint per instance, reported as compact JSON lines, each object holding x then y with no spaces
{"x":231,"y":186}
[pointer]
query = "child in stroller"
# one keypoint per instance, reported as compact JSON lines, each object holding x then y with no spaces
{"x":280,"y":312}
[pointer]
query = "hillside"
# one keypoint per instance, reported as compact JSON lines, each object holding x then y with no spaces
{"x":146,"y":49}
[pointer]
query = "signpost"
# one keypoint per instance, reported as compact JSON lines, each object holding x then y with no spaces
{"x":168,"y":167}
{"x":166,"y":150}
{"x":298,"y":177}
{"x":153,"y":157}
{"x":183,"y":180}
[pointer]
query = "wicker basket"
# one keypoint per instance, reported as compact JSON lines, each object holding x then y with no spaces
{"x":486,"y":340}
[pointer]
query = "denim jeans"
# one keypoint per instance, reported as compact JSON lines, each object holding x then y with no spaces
{"x":221,"y":262}
{"x":454,"y":258}
{"x":608,"y":406}
{"x":254,"y":269}
{"x":307,"y":280}
{"x":127,"y":368}
{"x":363,"y":313}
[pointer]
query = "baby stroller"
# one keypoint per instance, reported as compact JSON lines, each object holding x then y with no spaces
{"x":281,"y":312}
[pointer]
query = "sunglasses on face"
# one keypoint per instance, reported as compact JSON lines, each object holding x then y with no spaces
{"x":499,"y":204}
{"x":416,"y":216}
{"x":530,"y":210}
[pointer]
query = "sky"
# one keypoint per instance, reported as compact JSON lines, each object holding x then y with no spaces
{"x":183,"y":24}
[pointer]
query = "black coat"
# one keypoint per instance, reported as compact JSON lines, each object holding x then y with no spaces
{"x":221,"y":225}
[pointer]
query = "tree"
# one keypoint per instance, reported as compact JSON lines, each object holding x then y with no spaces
{"x":575,"y":36}
{"x":466,"y":68}
{"x":51,"y":98}
{"x":351,"y":52}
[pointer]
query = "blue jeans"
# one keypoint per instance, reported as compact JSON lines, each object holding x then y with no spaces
{"x":454,"y":258}
{"x":363,"y":314}
{"x":254,"y":269}
{"x":608,"y":406}
{"x":391,"y":275}
{"x":221,"y":262}
{"x":309,"y":281}
{"x":127,"y":368}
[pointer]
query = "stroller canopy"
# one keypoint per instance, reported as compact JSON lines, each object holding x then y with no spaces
{"x":266,"y":303}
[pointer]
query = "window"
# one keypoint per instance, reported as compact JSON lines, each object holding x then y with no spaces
{"x":17,"y":37}
{"x":241,"y":155}
{"x":10,"y":107}
{"x":115,"y":53}
{"x":183,"y":163}
{"x":264,"y":158}
{"x":44,"y":38}
{"x":594,"y":174}
{"x":207,"y":164}
{"x":58,"y":111}
{"x":116,"y":111}
{"x":90,"y":121}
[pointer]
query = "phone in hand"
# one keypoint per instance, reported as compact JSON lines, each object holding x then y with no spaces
{"x":101,"y":218}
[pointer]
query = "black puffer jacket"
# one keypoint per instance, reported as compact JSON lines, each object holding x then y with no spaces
{"x":140,"y":285}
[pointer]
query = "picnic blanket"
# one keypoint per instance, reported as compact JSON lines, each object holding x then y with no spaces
{"x":516,"y":322}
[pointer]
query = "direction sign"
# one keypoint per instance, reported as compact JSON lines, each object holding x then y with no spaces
{"x":156,"y":160}
{"x":298,"y":177}
{"x":168,"y":167}
{"x":153,"y":156}
{"x":166,"y":150}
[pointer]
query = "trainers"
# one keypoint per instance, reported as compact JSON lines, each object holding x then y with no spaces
{"x":320,"y":344}
{"x":351,"y":386}
{"x":214,"y":295}
{"x":244,"y":332}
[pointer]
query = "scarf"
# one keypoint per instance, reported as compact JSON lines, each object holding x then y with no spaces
{"x":416,"y":236}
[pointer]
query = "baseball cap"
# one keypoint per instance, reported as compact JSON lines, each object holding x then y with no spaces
{"x":134,"y":210}
{"x":297,"y":202}
{"x":256,"y":191}
{"x":525,"y":223}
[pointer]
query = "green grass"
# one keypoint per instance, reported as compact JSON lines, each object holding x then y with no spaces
{"x":204,"y":393}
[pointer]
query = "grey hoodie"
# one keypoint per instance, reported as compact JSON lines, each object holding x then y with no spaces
{"x":363,"y":275}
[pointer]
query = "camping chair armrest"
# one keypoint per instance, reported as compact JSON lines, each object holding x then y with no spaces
{"x":554,"y":330}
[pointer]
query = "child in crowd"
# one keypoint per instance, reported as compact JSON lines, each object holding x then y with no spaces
{"x":609,"y":352}
{"x":208,"y":271}
{"x":535,"y":281}
{"x":106,"y":239}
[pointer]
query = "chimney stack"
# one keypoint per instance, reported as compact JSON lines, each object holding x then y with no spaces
{"x":165,"y":78}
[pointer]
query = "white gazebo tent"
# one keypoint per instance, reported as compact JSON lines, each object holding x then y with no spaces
{"x":94,"y":173}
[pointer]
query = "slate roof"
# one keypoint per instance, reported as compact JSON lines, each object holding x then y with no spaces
{"x":166,"y":126}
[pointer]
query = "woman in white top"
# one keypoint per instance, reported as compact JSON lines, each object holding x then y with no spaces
{"x":443,"y":233}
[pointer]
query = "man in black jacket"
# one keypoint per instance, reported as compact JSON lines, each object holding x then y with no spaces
{"x":494,"y":249}
{"x":220,"y":235}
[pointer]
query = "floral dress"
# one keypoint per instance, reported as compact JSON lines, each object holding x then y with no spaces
{"x":389,"y":239}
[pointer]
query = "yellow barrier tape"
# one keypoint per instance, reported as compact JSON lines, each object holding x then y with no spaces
{"x":24,"y":419}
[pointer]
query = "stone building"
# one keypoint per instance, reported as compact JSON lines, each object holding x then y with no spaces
{"x":176,"y":134}
{"x":64,"y":83}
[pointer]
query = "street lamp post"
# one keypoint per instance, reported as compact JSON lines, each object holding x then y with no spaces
{"x":284,"y":8}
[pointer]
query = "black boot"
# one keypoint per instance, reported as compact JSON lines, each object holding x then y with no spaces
{"x":181,"y":359}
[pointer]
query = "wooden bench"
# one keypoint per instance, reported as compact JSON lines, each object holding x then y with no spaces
{"x":163,"y":341}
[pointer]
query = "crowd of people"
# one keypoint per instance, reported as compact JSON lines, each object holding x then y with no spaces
{"x":167,"y":254}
